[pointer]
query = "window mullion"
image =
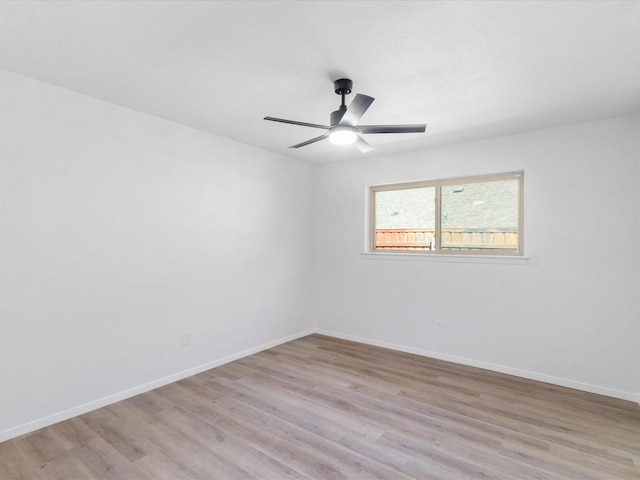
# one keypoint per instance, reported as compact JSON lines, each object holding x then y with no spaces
{"x":438,"y":219}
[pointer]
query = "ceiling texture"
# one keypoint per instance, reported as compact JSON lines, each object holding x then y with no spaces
{"x":467,"y":69}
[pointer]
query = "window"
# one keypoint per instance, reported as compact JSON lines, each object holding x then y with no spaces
{"x":473,"y":215}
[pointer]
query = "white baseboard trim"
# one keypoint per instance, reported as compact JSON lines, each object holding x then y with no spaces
{"x":563,"y":382}
{"x":39,"y":423}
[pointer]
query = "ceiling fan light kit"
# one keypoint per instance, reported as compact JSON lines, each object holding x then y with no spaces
{"x":344,"y":128}
{"x":343,"y":136}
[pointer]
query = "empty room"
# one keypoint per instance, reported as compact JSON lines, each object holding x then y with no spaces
{"x":319,"y":240}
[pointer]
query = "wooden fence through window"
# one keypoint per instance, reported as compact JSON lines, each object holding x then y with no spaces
{"x":452,"y":238}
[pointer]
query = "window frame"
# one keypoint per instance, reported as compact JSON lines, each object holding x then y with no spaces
{"x":438,"y":184}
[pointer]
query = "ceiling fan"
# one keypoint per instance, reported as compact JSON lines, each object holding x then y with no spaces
{"x":344,"y":128}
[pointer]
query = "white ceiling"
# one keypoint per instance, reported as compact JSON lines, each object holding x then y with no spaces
{"x":467,"y":69}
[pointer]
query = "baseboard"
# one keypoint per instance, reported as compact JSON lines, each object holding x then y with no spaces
{"x":39,"y":423}
{"x":563,"y":382}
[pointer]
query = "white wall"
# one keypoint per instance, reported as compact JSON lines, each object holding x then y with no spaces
{"x":119,"y":231}
{"x":569,"y":316}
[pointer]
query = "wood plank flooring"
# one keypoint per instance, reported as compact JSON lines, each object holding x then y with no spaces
{"x":324,"y":408}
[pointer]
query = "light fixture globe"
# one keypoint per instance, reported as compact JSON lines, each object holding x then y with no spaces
{"x":343,"y":135}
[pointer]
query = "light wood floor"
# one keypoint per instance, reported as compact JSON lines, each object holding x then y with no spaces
{"x":320,"y":407}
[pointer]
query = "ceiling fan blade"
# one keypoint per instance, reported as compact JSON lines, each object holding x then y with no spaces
{"x":356,"y":109}
{"x":362,"y":145}
{"x":308,"y":142}
{"x":295,"y":122}
{"x":415,"y":128}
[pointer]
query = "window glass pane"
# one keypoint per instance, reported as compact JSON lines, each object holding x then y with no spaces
{"x":480,"y":216}
{"x":405,"y":219}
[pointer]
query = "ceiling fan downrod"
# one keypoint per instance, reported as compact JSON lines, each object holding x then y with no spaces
{"x":342,"y":87}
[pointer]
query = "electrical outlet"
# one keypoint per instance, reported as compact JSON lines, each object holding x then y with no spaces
{"x":186,"y":338}
{"x":439,"y":326}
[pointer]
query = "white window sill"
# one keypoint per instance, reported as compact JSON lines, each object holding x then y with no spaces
{"x":447,"y":258}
